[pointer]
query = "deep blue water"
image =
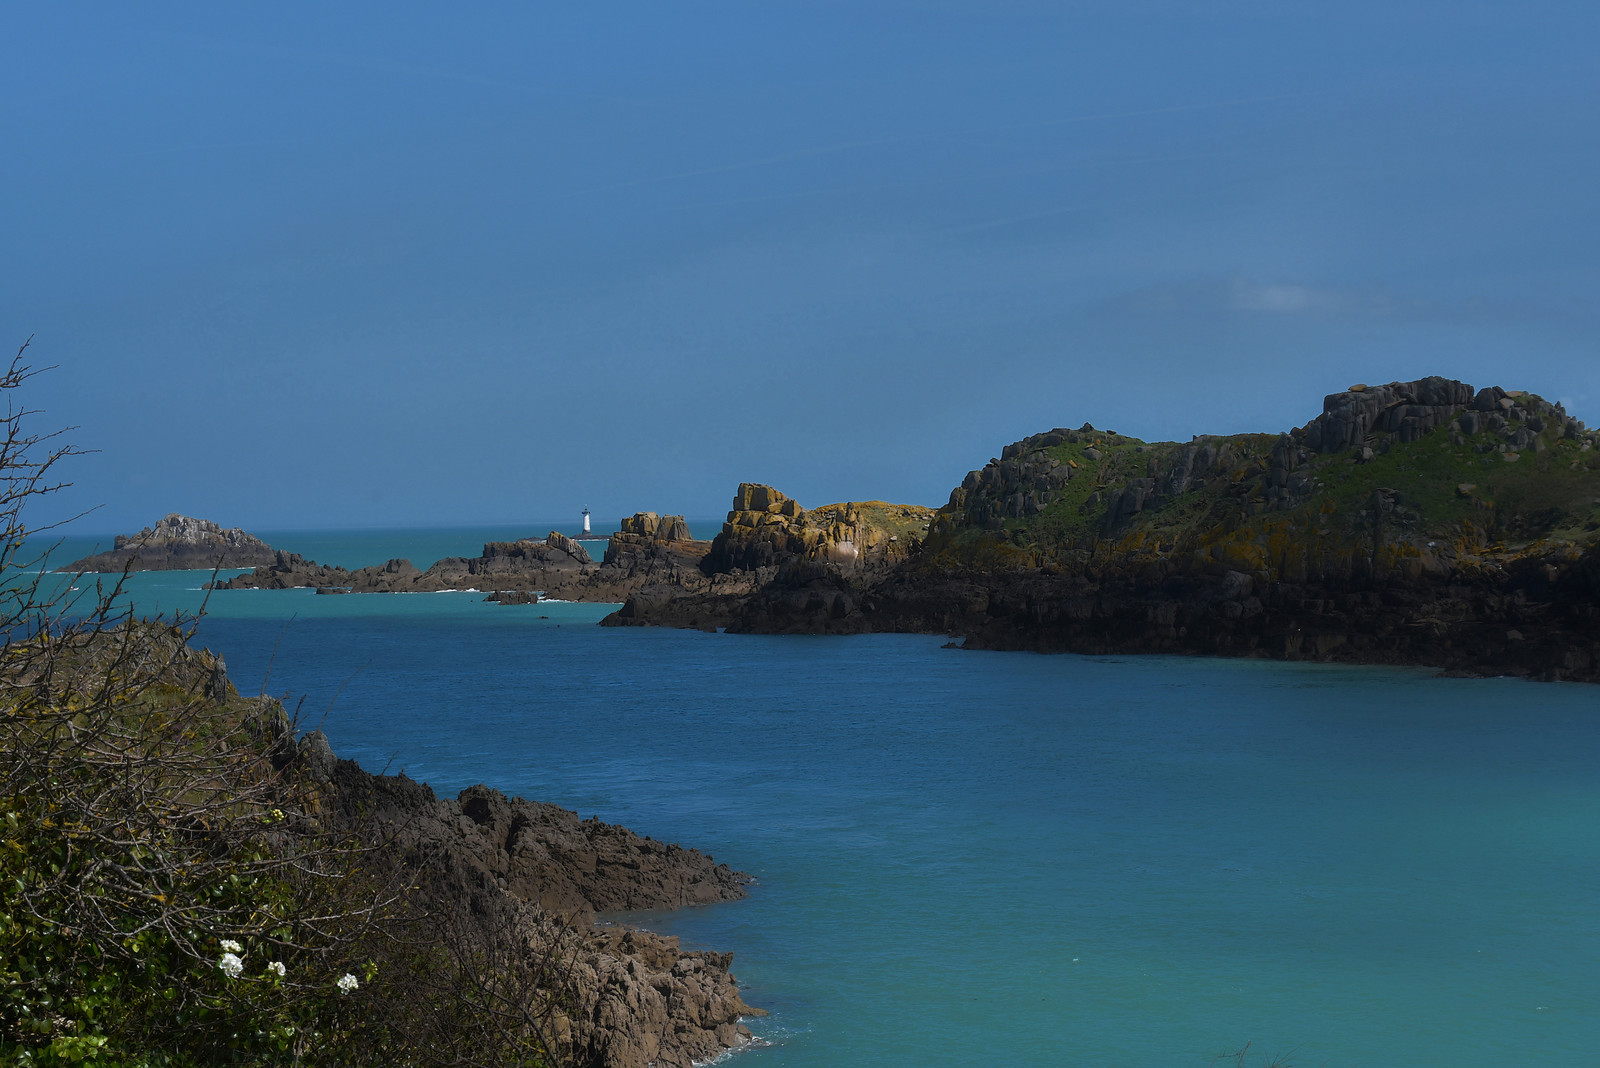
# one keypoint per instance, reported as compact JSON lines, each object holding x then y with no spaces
{"x":995,"y":858}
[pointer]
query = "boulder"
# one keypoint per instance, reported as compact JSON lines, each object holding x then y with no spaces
{"x":643,"y":523}
{"x":1406,"y":409}
{"x":557,"y":540}
{"x":757,"y":497}
{"x":673,"y":528}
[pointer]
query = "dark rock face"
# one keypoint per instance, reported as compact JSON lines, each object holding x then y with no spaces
{"x":1410,"y":409}
{"x":1024,"y":479}
{"x":179,"y":543}
{"x":542,"y":853}
{"x":635,"y":998}
{"x":561,"y":543}
{"x":1461,"y":624}
{"x":1464,"y":621}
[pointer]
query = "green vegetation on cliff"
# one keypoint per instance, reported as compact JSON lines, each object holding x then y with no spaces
{"x":1519,"y":479}
{"x":1410,"y":523}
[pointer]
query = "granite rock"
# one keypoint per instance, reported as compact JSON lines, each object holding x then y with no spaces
{"x":176,"y":543}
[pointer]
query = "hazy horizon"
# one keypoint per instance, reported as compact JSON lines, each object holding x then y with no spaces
{"x":378,"y":267}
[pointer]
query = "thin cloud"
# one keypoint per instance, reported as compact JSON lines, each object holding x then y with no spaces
{"x":1287,"y":299}
{"x":1211,"y":296}
{"x":1240,"y":296}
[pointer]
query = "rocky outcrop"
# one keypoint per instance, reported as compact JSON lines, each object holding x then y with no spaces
{"x":177,"y":543}
{"x":766,"y":529}
{"x":1416,"y":522}
{"x":779,"y":568}
{"x":1407,"y":409}
{"x":644,"y":1001}
{"x":539,"y":852}
{"x":561,"y":543}
{"x":1024,"y":478}
{"x":521,"y":565}
{"x":535,"y":873}
{"x":649,"y":550}
{"x":293,"y":571}
{"x":656,"y":527}
{"x":655,"y":548}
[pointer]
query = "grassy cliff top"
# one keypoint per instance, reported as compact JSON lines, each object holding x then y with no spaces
{"x":903,"y":521}
{"x":1505,"y":471}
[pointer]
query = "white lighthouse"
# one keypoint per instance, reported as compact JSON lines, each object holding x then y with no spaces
{"x":586,"y":520}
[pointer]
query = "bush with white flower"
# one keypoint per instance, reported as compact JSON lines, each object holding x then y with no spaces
{"x":146,"y":811}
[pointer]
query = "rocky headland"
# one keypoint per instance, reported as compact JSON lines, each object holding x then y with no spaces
{"x":1422,"y":522}
{"x":177,"y":543}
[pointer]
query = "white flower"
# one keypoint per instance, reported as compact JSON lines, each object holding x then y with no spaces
{"x":346,"y":983}
{"x":231,"y":965}
{"x":277,"y":968}
{"x":230,"y":946}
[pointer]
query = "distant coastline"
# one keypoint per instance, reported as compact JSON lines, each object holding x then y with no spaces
{"x":1425,"y":523}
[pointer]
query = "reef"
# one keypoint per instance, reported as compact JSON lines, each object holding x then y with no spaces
{"x":648,"y":549}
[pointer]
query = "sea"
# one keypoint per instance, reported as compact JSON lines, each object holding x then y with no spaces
{"x":983,"y":858}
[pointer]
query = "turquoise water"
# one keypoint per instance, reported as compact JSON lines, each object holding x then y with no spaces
{"x":992,"y":858}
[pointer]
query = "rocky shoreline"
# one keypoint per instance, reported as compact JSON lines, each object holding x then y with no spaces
{"x":528,"y":870}
{"x":468,"y":924}
{"x":649,"y":549}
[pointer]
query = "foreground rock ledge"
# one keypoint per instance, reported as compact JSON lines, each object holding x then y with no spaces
{"x":640,"y":998}
{"x":450,"y":896}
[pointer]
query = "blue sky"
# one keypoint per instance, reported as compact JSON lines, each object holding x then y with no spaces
{"x":376,"y":265}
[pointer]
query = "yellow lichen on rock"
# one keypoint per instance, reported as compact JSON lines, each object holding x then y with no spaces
{"x":767,"y":528}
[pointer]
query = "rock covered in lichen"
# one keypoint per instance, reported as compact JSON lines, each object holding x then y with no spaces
{"x":767,"y":529}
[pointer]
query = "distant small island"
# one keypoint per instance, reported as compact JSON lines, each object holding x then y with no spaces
{"x":179,"y":543}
